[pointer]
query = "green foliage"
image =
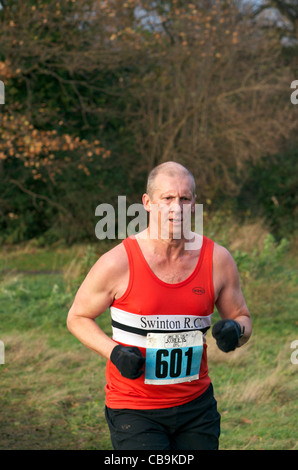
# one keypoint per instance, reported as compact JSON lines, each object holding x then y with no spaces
{"x":270,"y":190}
{"x":265,"y":262}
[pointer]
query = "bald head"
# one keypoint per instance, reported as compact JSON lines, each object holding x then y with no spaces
{"x":173,"y":169}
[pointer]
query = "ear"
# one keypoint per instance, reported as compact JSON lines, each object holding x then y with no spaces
{"x":193,"y":203}
{"x":146,"y":202}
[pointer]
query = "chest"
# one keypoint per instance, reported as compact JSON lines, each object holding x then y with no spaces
{"x":172,"y":271}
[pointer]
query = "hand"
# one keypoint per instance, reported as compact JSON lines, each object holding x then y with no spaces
{"x":227,"y":334}
{"x":128,"y":361}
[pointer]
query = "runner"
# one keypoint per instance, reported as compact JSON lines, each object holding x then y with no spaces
{"x":161,"y":286}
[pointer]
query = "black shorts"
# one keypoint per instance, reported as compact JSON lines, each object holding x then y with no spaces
{"x":193,"y":426}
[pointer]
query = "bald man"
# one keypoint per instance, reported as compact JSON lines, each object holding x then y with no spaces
{"x":161,"y":296}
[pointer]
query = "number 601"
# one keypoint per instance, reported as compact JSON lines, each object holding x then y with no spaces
{"x":171,"y":363}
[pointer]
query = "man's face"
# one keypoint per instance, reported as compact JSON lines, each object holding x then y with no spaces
{"x":171,"y":204}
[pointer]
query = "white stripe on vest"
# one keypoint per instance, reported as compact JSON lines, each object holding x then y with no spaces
{"x":131,"y":328}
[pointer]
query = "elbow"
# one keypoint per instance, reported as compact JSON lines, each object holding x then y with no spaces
{"x":69,"y":320}
{"x":73,"y":320}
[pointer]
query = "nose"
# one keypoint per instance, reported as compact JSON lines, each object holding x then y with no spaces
{"x":176,"y":207}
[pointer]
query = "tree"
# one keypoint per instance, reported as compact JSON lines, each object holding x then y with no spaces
{"x":59,"y":71}
{"x":215,"y":95}
{"x":98,"y":92}
{"x":285,"y":18}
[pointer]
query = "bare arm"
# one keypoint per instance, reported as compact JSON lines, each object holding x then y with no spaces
{"x":94,"y":296}
{"x":229,"y":298}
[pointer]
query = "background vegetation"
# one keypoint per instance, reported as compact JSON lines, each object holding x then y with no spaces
{"x":99,"y":92}
{"x":96,"y":94}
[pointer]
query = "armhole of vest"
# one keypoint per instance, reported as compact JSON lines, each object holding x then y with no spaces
{"x":210,"y":254}
{"x":126,"y":244}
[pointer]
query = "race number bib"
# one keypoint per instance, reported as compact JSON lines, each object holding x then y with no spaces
{"x":173,"y":357}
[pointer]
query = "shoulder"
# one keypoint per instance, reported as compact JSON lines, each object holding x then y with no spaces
{"x":108,"y":272}
{"x":112,"y":262}
{"x":225,"y":272}
{"x":222,"y":256}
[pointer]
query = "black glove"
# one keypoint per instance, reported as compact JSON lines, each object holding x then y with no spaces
{"x":227,"y":334}
{"x":128,"y":361}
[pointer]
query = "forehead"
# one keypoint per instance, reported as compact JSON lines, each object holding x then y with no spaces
{"x":178,"y":182}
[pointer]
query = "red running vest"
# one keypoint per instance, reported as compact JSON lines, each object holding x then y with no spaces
{"x":151,"y":305}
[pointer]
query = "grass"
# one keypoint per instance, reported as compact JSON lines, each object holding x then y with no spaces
{"x":52,"y":387}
